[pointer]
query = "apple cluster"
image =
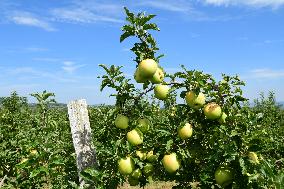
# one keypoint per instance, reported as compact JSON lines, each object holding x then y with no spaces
{"x":135,"y":136}
{"x":148,"y":70}
{"x":126,"y":166}
{"x":212,"y":110}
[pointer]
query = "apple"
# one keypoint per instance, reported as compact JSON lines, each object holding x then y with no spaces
{"x":253,"y":157}
{"x":142,"y":156}
{"x":195,"y":101}
{"x":161,"y":91}
{"x":132,"y":181}
{"x":121,"y":121}
{"x":147,"y":68}
{"x":223,"y":117}
{"x":151,"y":157}
{"x":143,"y":125}
{"x":158,"y":77}
{"x":138,"y":78}
{"x":24,"y":160}
{"x":171,"y":163}
{"x":135,"y":137}
{"x":33,"y":152}
{"x":148,"y":169}
{"x":224,"y":176}
{"x":212,"y":111}
{"x":126,"y":165}
{"x":185,"y":131}
{"x":136,"y":174}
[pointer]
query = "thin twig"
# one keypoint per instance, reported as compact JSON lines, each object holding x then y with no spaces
{"x":2,"y":181}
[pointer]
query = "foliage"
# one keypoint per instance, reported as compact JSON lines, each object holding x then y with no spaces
{"x":33,"y":156}
{"x":36,"y":148}
{"x":213,"y":144}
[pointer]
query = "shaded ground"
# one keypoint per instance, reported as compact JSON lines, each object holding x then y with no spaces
{"x":156,"y":185}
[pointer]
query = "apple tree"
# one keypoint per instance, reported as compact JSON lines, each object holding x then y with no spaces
{"x":150,"y":136}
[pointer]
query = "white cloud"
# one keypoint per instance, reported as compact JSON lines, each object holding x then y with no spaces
{"x":46,"y":59}
{"x":266,"y":73}
{"x":174,"y":6}
{"x":31,"y":49}
{"x":66,"y":66}
{"x":251,"y":3}
{"x":189,"y":11}
{"x":82,"y":15}
{"x":28,"y":19}
{"x":102,"y":8}
{"x":32,"y":73}
{"x":70,"y":67}
{"x":68,"y":63}
{"x":36,"y":49}
{"x":23,"y":70}
{"x":269,"y":42}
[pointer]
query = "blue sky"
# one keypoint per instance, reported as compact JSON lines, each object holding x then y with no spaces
{"x":57,"y":45}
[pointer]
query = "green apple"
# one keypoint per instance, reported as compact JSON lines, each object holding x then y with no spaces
{"x":253,"y":157}
{"x":132,"y":181}
{"x":161,"y":91}
{"x":136,"y":174}
{"x":148,"y":169}
{"x":138,"y":78}
{"x":142,"y":156}
{"x":126,"y":166}
{"x":24,"y":160}
{"x":212,"y":111}
{"x":121,"y":121}
{"x":195,"y":101}
{"x":185,"y":131}
{"x":158,"y":77}
{"x":147,"y":68}
{"x":135,"y":137}
{"x":171,"y":163}
{"x":33,"y":152}
{"x":151,"y":157}
{"x":223,"y":117}
{"x":143,"y":125}
{"x":224,"y":176}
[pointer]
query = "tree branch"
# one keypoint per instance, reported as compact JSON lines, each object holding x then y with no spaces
{"x":2,"y":181}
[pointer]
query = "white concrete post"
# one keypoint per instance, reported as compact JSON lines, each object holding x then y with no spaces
{"x":81,"y":135}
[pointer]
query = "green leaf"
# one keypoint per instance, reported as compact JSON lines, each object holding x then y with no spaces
{"x":125,"y":35}
{"x":151,"y":26}
{"x":36,"y":172}
{"x":169,"y":145}
{"x":130,"y":16}
{"x":146,"y":19}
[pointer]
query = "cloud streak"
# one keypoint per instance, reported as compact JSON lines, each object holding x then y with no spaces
{"x":88,"y":12}
{"x":190,"y":11}
{"x":269,"y":42}
{"x":174,"y":6}
{"x":250,"y":3}
{"x":70,"y":67}
{"x":266,"y":73}
{"x":30,"y":72}
{"x":29,"y":19}
{"x":78,"y":15}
